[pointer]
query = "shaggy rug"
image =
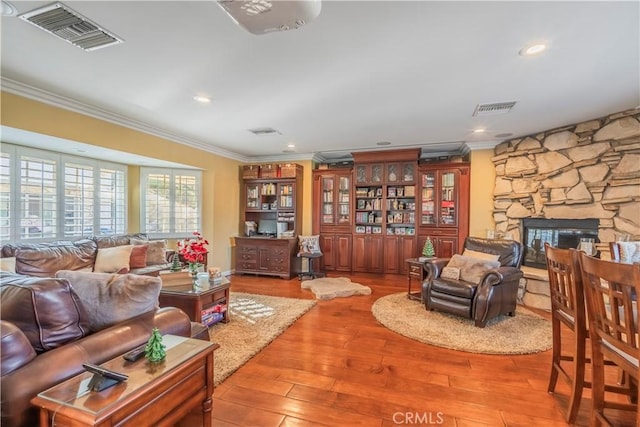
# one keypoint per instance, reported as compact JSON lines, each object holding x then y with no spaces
{"x":254,"y":321}
{"x":332,"y":287}
{"x":524,"y":333}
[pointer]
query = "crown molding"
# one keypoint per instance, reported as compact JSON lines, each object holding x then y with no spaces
{"x":18,"y":88}
{"x":481,"y":145}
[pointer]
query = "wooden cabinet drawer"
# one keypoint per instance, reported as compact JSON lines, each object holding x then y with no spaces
{"x":416,"y":270}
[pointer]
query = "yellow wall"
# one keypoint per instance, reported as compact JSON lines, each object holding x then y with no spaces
{"x":482,"y":183}
{"x":220,"y":184}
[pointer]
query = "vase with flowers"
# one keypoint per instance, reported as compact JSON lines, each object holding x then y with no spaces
{"x":193,"y":251}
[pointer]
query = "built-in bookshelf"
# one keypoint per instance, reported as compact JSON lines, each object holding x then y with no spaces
{"x":369,"y":213}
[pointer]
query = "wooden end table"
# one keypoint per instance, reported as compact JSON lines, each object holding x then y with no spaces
{"x":178,"y":291}
{"x":415,"y":271}
{"x":154,"y":394}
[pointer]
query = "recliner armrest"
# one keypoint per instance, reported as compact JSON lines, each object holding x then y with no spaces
{"x":501,"y":275}
{"x":434,"y":267}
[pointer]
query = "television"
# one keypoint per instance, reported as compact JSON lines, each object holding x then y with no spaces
{"x":267,"y":227}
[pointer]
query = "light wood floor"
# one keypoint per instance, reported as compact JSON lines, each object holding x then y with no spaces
{"x":337,"y":366}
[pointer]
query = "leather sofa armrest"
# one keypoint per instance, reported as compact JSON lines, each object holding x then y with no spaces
{"x":15,"y":349}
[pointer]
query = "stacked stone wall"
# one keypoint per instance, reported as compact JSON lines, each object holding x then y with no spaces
{"x":587,"y":170}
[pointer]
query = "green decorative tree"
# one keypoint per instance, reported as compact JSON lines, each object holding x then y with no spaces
{"x":154,"y":351}
{"x":176,"y":265}
{"x":427,"y":250}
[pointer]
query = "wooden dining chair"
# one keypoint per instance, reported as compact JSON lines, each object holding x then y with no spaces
{"x":568,"y":309}
{"x":611,"y":288}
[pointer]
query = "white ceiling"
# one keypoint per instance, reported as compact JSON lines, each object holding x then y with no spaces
{"x":410,"y":73}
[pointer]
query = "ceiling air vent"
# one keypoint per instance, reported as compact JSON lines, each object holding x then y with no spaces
{"x":493,"y":109}
{"x":264,"y":131}
{"x":61,"y":21}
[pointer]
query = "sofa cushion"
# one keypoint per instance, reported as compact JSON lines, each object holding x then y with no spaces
{"x":113,"y":259}
{"x":46,"y":310}
{"x":44,"y":259}
{"x":8,"y":264}
{"x":117,"y":240}
{"x":112,"y":298}
{"x":472,"y":269}
{"x":138,"y":258}
{"x":156,"y":253}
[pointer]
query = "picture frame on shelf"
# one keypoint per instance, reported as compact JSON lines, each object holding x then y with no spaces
{"x":360,"y":229}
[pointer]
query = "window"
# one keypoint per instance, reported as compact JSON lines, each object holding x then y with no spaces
{"x":47,"y":196}
{"x":170,"y":202}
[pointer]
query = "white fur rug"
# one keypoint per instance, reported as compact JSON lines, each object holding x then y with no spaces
{"x":332,"y":287}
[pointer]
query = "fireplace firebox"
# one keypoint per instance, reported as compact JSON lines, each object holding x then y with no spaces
{"x":560,"y":233}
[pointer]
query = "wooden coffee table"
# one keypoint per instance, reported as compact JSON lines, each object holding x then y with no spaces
{"x":154,"y":394}
{"x":178,"y":291}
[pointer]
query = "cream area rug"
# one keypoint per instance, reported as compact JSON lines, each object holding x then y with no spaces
{"x":254,"y":321}
{"x":524,"y":333}
{"x":332,"y":287}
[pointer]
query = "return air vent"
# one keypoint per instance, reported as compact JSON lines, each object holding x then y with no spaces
{"x":264,"y":131}
{"x":69,"y":25}
{"x":493,"y":109}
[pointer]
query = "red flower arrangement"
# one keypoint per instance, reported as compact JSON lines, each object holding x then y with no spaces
{"x":193,"y":249}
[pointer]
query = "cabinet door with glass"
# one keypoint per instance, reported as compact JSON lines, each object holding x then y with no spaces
{"x":439,"y":198}
{"x":369,"y":173}
{"x":252,"y":197}
{"x":335,"y":199}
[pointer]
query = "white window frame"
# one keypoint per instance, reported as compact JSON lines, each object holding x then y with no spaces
{"x":15,"y":153}
{"x":172,"y":233}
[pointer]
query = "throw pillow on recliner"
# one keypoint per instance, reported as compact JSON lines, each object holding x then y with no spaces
{"x":471,"y":269}
{"x":112,"y":298}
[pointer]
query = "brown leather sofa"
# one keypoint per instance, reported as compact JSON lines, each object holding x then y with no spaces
{"x":46,"y":333}
{"x":49,"y":339}
{"x":495,"y":293}
{"x":44,"y":259}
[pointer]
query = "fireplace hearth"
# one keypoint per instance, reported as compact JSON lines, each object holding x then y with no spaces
{"x":560,"y":233}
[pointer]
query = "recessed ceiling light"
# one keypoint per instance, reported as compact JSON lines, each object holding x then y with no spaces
{"x":479,"y":130}
{"x":533,"y":49}
{"x":504,"y":135}
{"x":202,"y":99}
{"x":291,"y":145}
{"x":383,"y":143}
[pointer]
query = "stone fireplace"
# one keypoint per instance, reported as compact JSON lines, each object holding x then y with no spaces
{"x":589,"y":170}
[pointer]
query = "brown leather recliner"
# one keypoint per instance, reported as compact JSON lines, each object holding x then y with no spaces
{"x":495,"y":293}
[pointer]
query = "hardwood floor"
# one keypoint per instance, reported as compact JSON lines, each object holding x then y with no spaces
{"x":337,"y":366}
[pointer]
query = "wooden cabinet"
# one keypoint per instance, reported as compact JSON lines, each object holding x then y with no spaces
{"x":397,"y":249}
{"x":332,"y":217}
{"x":367,"y":253}
{"x":393,"y":204}
{"x":444,"y":207}
{"x":336,"y":249}
{"x":268,"y":256}
{"x":272,"y":200}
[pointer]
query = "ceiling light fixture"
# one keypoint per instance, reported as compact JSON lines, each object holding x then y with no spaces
{"x":383,"y":143}
{"x":479,"y":130}
{"x":265,"y":16}
{"x":533,"y":49}
{"x":291,"y":145}
{"x":202,"y":99}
